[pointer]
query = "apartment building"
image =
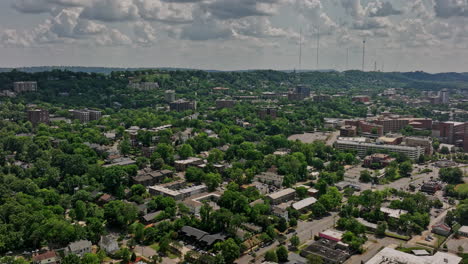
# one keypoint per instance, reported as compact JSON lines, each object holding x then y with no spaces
{"x":363,"y":148}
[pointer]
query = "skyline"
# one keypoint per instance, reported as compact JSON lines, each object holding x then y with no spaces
{"x":428,"y":35}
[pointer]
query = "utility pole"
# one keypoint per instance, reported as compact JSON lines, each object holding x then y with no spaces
{"x":347,"y":59}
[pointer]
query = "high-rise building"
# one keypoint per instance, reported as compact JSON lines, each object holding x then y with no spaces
{"x":169,"y":96}
{"x":20,"y":87}
{"x":182,"y":105}
{"x":37,"y":116}
{"x":444,"y":96}
{"x":86,"y":115}
{"x":220,"y":104}
{"x":268,"y":111}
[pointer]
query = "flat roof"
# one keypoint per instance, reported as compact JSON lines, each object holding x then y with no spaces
{"x":393,"y":256}
{"x":395,"y":213}
{"x":463,"y":229}
{"x":304,"y":203}
{"x":281,"y":193}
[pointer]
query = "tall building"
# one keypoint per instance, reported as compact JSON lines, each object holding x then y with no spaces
{"x":182,"y":105}
{"x":268,"y":111}
{"x":444,"y":96}
{"x":20,"y":87}
{"x":86,"y":115}
{"x":37,"y":116}
{"x":225,"y":104}
{"x":169,"y":96}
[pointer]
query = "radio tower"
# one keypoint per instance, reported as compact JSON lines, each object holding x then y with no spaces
{"x":363,"y":53}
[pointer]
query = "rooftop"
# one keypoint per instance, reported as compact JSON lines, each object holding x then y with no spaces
{"x":392,"y":256}
{"x":304,"y":203}
{"x":281,"y":193}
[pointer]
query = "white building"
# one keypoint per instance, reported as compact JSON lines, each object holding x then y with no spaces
{"x":393,"y":256}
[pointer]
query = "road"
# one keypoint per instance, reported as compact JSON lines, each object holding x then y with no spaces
{"x":306,"y":230}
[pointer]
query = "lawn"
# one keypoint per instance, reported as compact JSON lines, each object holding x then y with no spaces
{"x":155,"y":246}
{"x":462,"y":188}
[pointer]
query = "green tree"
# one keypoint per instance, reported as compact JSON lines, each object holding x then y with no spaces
{"x":119,"y":213}
{"x":90,"y":258}
{"x":365,"y":176}
{"x":212,"y":180}
{"x":185,"y":151}
{"x":405,"y":168}
{"x":381,"y":228}
{"x":194,"y":174}
{"x":282,"y":254}
{"x":451,"y":175}
{"x":282,"y":225}
{"x":295,"y":241}
{"x":125,"y":147}
{"x":301,"y":192}
{"x":230,"y":250}
{"x":314,"y":259}
{"x":71,"y":259}
{"x":271,"y":256}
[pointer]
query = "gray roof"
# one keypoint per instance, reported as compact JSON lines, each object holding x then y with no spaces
{"x":79,"y":245}
{"x":150,"y":217}
{"x":211,"y":239}
{"x":191,"y":231}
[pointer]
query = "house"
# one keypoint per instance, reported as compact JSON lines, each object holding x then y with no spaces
{"x":331,"y":234}
{"x":463,"y":231}
{"x":380,"y":160}
{"x":282,"y":196}
{"x":49,"y":257}
{"x":431,"y":187}
{"x":441,"y":229}
{"x":393,"y":213}
{"x":270,"y":178}
{"x":302,"y":205}
{"x":109,"y":244}
{"x":149,"y":218}
{"x":281,"y":212}
{"x":182,"y":165}
{"x":79,"y":248}
{"x":201,"y":237}
{"x":105,"y":198}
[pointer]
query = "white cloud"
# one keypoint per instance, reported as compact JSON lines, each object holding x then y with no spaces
{"x":451,"y":8}
{"x":111,"y":10}
{"x":145,"y":34}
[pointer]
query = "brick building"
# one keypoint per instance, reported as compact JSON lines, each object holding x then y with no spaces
{"x":38,"y":116}
{"x":20,"y":87}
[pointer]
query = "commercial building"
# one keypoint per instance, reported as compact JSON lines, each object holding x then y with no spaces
{"x":392,"y":256}
{"x":361,"y":98}
{"x":182,"y":165}
{"x":431,"y":187}
{"x":268,"y":112}
{"x":363,"y":148}
{"x":322,"y":98}
{"x":177,"y":194}
{"x":169,"y":96}
{"x":397,"y":124}
{"x":331,"y":234}
{"x":143,"y":86}
{"x":424,"y":142}
{"x":220,"y":104}
{"x":270,"y":178}
{"x":86,"y":115}
{"x":332,"y":252}
{"x":20,"y":87}
{"x":38,"y":116}
{"x":393,"y":213}
{"x":364,"y":127}
{"x":382,"y":160}
{"x":282,"y":196}
{"x":182,"y":105}
{"x":148,"y":177}
{"x":304,"y":204}
{"x":348,"y":131}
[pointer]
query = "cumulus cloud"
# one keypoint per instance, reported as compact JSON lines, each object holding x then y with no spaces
{"x":111,"y":10}
{"x":167,"y":12}
{"x":381,"y":9}
{"x":369,"y":23}
{"x":259,"y":27}
{"x":229,"y":9}
{"x":451,"y":8}
{"x":44,"y":6}
{"x":145,"y":33}
{"x":353,"y":7}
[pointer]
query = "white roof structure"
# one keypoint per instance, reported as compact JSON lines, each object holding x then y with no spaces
{"x":281,"y":193}
{"x":304,"y":203}
{"x":394,"y":213}
{"x":463,"y":229}
{"x":393,"y":256}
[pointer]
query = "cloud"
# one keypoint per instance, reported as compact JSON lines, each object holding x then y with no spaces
{"x":381,"y":9}
{"x":230,"y":9}
{"x":111,"y":10}
{"x":353,"y":7}
{"x":167,"y":12}
{"x":145,"y":34}
{"x":369,"y":23}
{"x":451,"y":8}
{"x":259,"y":27}
{"x":46,"y":6}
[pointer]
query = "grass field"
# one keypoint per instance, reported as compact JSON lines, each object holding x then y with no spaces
{"x":462,"y":188}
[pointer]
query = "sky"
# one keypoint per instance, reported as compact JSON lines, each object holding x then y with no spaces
{"x":400,"y":35}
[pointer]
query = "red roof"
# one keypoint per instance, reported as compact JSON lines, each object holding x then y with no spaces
{"x":46,"y":255}
{"x":442,"y":226}
{"x":136,"y":260}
